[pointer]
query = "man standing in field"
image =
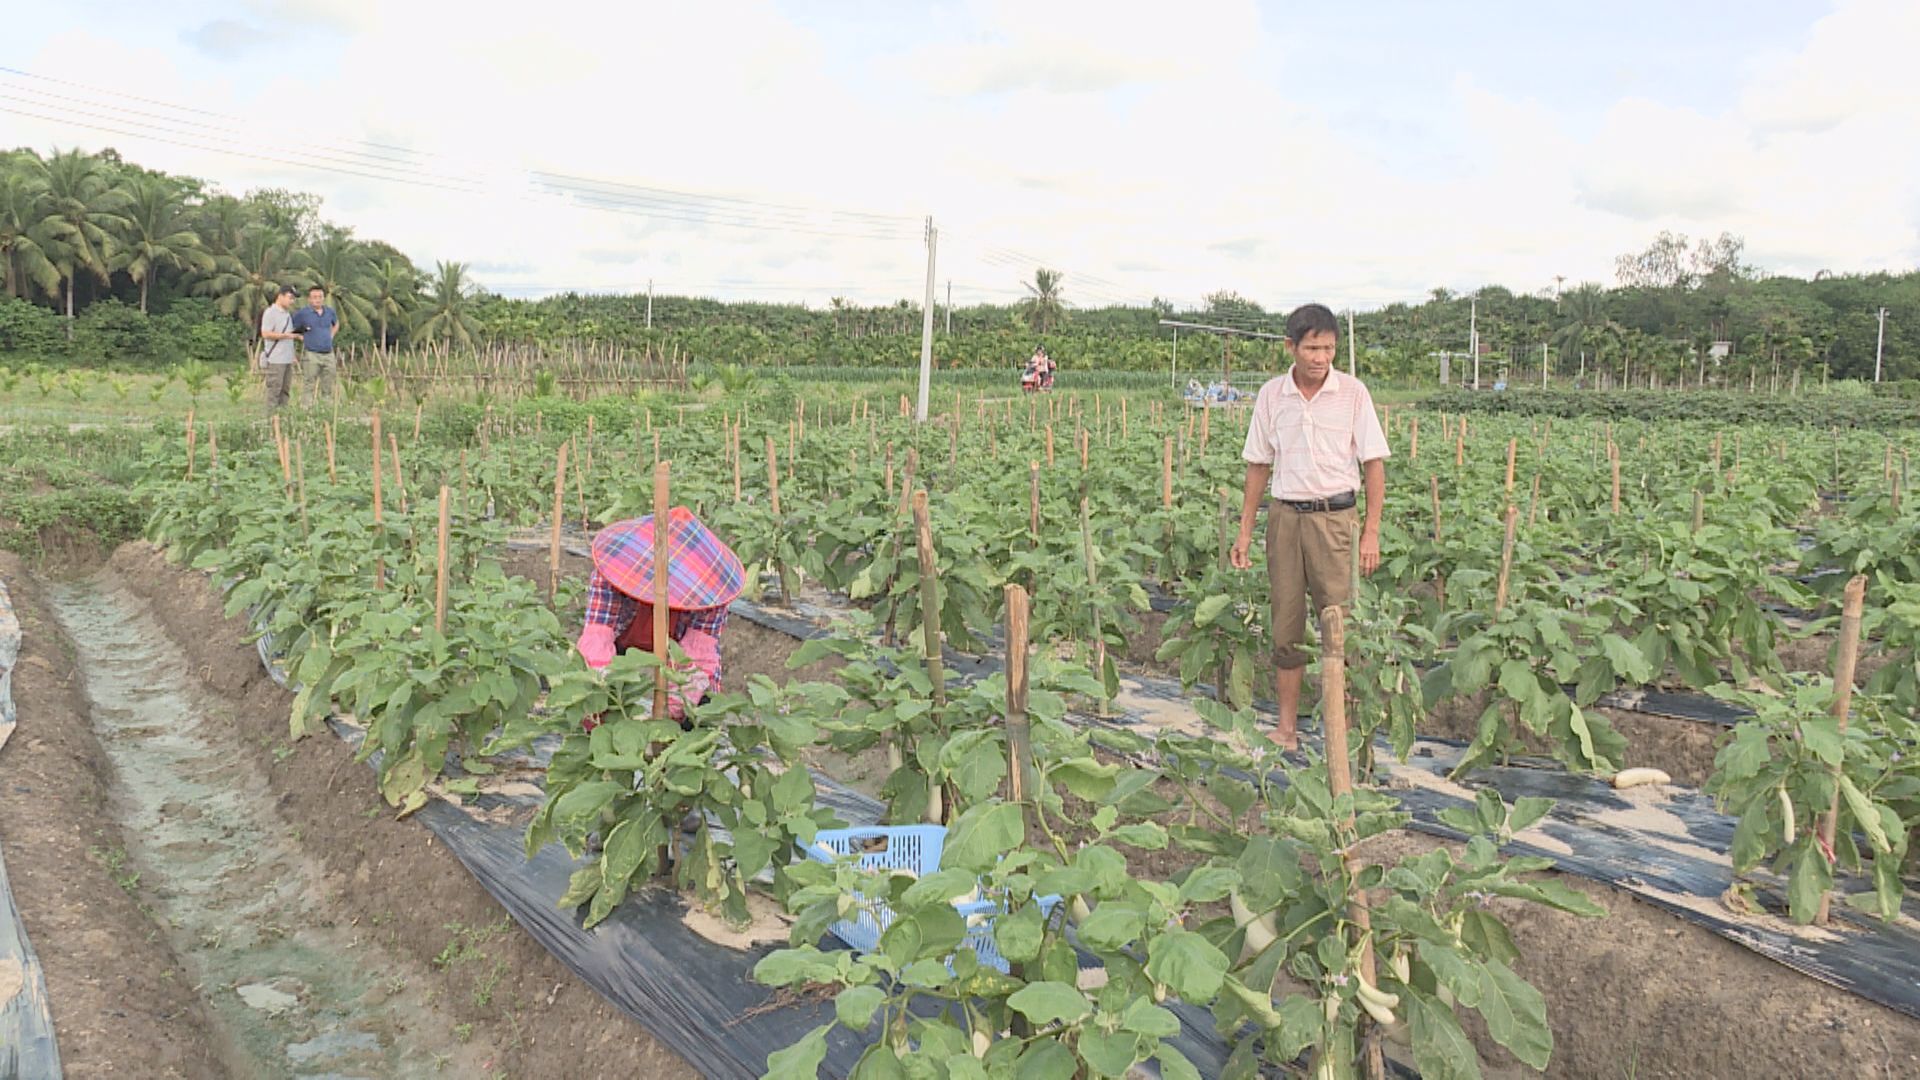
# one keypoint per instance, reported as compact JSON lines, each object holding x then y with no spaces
{"x":316,"y":324}
{"x":1314,"y":433}
{"x":276,"y":348}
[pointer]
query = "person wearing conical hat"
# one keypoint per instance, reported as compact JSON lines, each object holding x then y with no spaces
{"x":703,"y":577}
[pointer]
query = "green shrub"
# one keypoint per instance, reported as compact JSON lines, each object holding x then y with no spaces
{"x":28,"y":329}
{"x":109,"y":331}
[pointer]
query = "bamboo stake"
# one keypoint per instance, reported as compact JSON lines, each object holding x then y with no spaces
{"x":1616,"y":486}
{"x":1699,"y":510}
{"x":662,"y":567}
{"x":929,"y":600}
{"x":416,"y":422}
{"x":1049,"y":445}
{"x":333,"y":477}
{"x":379,"y":566}
{"x":1853,"y":603}
{"x":1123,"y":419}
{"x":1413,"y":440}
{"x":1033,"y":501}
{"x":399,"y":480}
{"x":1333,"y":712}
{"x":773,"y":477}
{"x":1513,"y":445}
{"x":1093,"y":589}
{"x":559,"y":508}
{"x":1206,"y":425}
{"x":300,"y":476}
{"x":1166,"y":474}
{"x":906,"y":481}
{"x":734,"y":440}
{"x":1506,"y":561}
{"x":192,"y":431}
{"x":440,"y":570}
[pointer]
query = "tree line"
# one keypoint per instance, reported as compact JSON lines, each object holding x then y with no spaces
{"x":104,"y":260}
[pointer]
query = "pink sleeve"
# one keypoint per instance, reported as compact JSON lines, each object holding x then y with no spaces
{"x":703,"y":651}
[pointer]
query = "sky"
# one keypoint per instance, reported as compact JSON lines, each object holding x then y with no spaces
{"x":790,"y":150}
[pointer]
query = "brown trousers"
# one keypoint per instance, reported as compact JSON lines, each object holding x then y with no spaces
{"x":1307,"y":554}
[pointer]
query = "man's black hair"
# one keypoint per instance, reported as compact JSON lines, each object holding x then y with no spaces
{"x":1311,"y":319}
{"x":316,"y":288}
{"x":285,"y":290}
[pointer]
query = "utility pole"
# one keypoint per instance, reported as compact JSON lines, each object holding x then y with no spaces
{"x":926,"y":329}
{"x":1352,"y":368}
{"x":1879,"y":345}
{"x":1473,"y":337}
{"x":949,"y":307}
{"x":1543,"y":365}
{"x":649,"y":303}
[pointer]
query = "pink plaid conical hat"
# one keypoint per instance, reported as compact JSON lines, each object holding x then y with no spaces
{"x":702,"y":571}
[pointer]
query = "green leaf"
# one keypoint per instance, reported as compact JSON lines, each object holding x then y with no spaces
{"x":1207,"y":884}
{"x":1146,"y":835}
{"x":1110,"y":1054}
{"x":1487,"y":936}
{"x":1865,"y":814}
{"x":854,"y":1007}
{"x":1451,"y":970}
{"x":1527,"y":809}
{"x":983,"y":834}
{"x":1174,"y":1065}
{"x":801,"y":1061}
{"x":1628,"y":662}
{"x":1755,"y":836}
{"x":1145,"y":1018}
{"x":1516,"y":1014}
{"x":1190,"y":965}
{"x":1440,"y":1049}
{"x":1019,"y":934}
{"x":1518,"y":682}
{"x":1050,"y":1002}
{"x":1821,"y":735}
{"x":1209,"y":609}
{"x":1807,"y":881}
{"x":1112,"y":926}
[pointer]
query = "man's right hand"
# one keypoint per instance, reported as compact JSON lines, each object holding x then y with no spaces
{"x":1238,"y":556}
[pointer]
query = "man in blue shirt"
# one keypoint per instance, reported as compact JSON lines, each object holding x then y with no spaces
{"x":316,"y":324}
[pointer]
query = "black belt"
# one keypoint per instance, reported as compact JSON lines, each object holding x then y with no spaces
{"x":1344,"y":501}
{"x":321,"y":352}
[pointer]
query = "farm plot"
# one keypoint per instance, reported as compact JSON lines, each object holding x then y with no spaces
{"x":1568,"y":611}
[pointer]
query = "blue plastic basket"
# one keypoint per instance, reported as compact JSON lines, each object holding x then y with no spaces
{"x":916,"y":848}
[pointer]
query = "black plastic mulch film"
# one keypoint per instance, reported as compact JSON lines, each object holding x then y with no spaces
{"x":27,"y":1047}
{"x":698,"y":997}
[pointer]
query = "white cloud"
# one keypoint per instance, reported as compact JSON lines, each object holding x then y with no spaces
{"x":1143,"y":153}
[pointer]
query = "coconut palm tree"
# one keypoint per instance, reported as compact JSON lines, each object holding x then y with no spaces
{"x":337,"y":263}
{"x":245,"y":282}
{"x":83,"y":212}
{"x":158,"y":233}
{"x":24,"y":260}
{"x":447,"y":312}
{"x":1585,"y":323}
{"x":1044,"y":308}
{"x":393,"y":288}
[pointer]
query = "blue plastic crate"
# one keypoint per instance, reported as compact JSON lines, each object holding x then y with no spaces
{"x":916,"y":848}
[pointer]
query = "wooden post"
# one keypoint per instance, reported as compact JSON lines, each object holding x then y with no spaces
{"x":1853,"y":603}
{"x":416,"y":421}
{"x":1513,"y":445}
{"x":734,"y":440}
{"x":1093,"y":589}
{"x":662,"y":536}
{"x":1413,"y":440}
{"x":1506,"y":560}
{"x":1333,"y":714}
{"x":1460,"y":444}
{"x":379,"y":568}
{"x":929,"y":598}
{"x":1616,"y":485}
{"x":1699,"y":510}
{"x":1021,"y":781}
{"x":773,"y":477}
{"x":1206,"y":425}
{"x":399,"y":480}
{"x":1166,"y":474}
{"x":1533,"y":500}
{"x":300,"y":478}
{"x":1123,"y":419}
{"x":1033,"y":501}
{"x":1049,"y":446}
{"x":192,"y":431}
{"x":559,"y":506}
{"x":333,"y":477}
{"x":440,"y":570}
